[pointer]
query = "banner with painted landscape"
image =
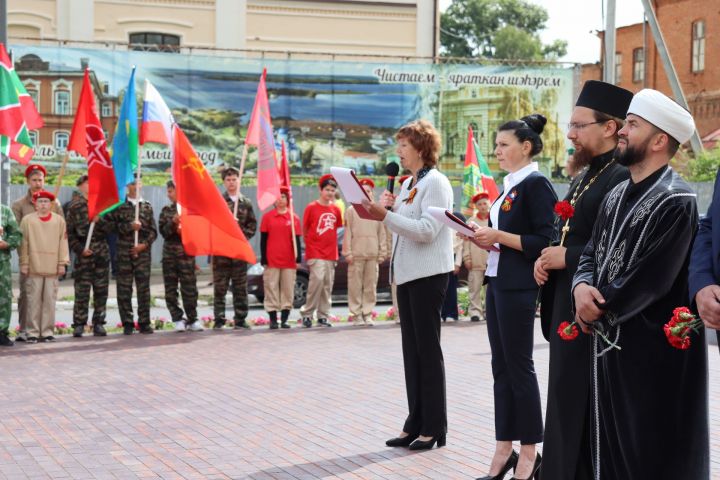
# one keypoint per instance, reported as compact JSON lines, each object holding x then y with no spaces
{"x":327,"y":112}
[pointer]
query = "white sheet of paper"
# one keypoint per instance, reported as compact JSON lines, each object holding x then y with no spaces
{"x":351,"y":189}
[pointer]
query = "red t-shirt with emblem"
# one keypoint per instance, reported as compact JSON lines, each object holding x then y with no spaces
{"x":320,"y":225}
{"x":280,"y":253}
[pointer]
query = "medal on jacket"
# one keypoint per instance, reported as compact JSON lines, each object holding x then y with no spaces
{"x":411,"y":196}
{"x":508,"y":201}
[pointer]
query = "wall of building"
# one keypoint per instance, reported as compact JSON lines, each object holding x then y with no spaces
{"x":390,"y":27}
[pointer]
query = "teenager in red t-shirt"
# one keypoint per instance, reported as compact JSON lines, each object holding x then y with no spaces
{"x":321,"y":221}
{"x":279,"y":259}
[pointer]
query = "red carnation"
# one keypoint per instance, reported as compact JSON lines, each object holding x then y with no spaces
{"x":564,"y":210}
{"x":568,"y":331}
{"x":678,"y":329}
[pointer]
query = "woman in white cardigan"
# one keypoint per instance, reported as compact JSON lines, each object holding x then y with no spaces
{"x":422,"y":258}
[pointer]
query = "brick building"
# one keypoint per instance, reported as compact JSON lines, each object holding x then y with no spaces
{"x":56,"y":93}
{"x":694,"y":44}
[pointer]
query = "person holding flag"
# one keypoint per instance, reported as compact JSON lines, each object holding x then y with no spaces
{"x":475,"y":258}
{"x":89,"y":239}
{"x":178,"y":268}
{"x":280,"y":258}
{"x":10,"y":238}
{"x":228,"y":270}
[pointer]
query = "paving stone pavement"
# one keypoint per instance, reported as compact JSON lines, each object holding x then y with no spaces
{"x":298,"y":404}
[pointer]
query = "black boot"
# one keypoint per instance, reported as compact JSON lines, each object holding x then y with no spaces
{"x":5,"y":341}
{"x":273,"y":320}
{"x":78,"y":331}
{"x":284,"y":315}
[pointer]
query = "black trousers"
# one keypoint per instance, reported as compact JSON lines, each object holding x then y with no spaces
{"x":419,"y":305}
{"x":450,"y":305}
{"x":510,"y":322}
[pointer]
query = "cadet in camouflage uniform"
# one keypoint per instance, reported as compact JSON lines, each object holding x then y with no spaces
{"x":134,"y":262}
{"x":227,"y":269}
{"x":92,"y":266}
{"x":178,"y":267}
{"x":35,"y":177}
{"x":10,"y":238}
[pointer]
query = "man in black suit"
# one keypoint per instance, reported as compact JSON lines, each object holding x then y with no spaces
{"x":593,"y":128}
{"x":704,"y":273}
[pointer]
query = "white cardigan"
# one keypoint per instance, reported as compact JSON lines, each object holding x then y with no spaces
{"x":423,"y":246}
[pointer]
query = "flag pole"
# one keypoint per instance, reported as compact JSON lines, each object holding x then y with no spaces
{"x":137,"y":194}
{"x":58,"y":182}
{"x":292,"y":226}
{"x":242,"y":169}
{"x":89,"y":235}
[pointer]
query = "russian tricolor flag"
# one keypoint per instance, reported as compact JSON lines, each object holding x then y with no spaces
{"x":157,"y":120}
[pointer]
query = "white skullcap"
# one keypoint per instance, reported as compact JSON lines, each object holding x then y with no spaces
{"x":664,"y":113}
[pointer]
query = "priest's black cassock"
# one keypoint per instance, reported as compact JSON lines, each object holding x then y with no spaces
{"x":566,"y":446}
{"x":652,"y":398}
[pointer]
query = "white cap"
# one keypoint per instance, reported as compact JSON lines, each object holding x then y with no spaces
{"x":664,"y":113}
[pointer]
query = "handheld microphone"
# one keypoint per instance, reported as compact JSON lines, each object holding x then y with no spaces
{"x":391,"y":170}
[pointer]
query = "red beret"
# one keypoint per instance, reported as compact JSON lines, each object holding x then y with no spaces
{"x":368,"y":182}
{"x":324,"y":179}
{"x":284,"y":190}
{"x":34,"y":167}
{"x":43,"y":194}
{"x":479,"y":196}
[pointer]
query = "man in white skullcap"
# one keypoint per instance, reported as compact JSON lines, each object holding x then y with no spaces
{"x":650,"y":417}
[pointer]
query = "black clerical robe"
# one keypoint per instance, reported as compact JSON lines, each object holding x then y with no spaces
{"x":567,"y":443}
{"x":652,"y":398}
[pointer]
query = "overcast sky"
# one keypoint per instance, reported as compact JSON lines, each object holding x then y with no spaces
{"x":577,"y":20}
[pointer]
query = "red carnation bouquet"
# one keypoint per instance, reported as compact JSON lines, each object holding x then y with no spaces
{"x":678,"y":329}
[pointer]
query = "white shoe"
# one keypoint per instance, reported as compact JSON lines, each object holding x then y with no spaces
{"x":179,"y":326}
{"x":195,"y":326}
{"x":368,"y":320}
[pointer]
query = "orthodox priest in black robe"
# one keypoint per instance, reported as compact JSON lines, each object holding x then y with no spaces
{"x":593,"y":128}
{"x":650,"y":405}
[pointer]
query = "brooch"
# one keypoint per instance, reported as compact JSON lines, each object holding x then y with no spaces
{"x":411,"y":196}
{"x":508,"y":201}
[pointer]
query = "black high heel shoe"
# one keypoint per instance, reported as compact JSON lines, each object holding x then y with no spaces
{"x":511,"y":463}
{"x":401,"y":441}
{"x":427,"y":445}
{"x":535,"y":471}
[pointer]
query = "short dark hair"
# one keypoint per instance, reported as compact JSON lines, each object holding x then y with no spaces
{"x":604,"y":117}
{"x":230,"y":171}
{"x":170,"y":184}
{"x":81,"y":180}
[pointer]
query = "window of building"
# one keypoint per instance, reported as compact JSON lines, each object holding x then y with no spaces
{"x":62,"y":102}
{"x":618,"y":68}
{"x":106,"y":110}
{"x":60,"y":140}
{"x":638,"y":65}
{"x":698,"y":46}
{"x":35,"y":95}
{"x":33,"y":137}
{"x":158,"y":42}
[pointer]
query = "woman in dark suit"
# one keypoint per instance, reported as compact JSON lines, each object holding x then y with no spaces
{"x":521,"y":225}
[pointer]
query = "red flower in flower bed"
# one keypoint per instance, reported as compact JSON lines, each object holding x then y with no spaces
{"x":678,"y":329}
{"x":568,"y":331}
{"x":564,"y":210}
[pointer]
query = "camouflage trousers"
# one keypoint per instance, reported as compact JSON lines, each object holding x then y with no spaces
{"x":225,"y":271}
{"x":179,"y":268}
{"x":91,"y":272}
{"x":5,"y":294}
{"x":129,"y":269}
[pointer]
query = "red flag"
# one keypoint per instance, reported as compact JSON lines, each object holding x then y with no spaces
{"x":260,"y":133}
{"x":208,"y":226}
{"x":87,"y":139}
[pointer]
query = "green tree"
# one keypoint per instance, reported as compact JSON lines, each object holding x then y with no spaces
{"x":502,"y":29}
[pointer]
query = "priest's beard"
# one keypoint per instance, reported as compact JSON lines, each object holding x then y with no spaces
{"x":632,"y":155}
{"x":582,"y":158}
